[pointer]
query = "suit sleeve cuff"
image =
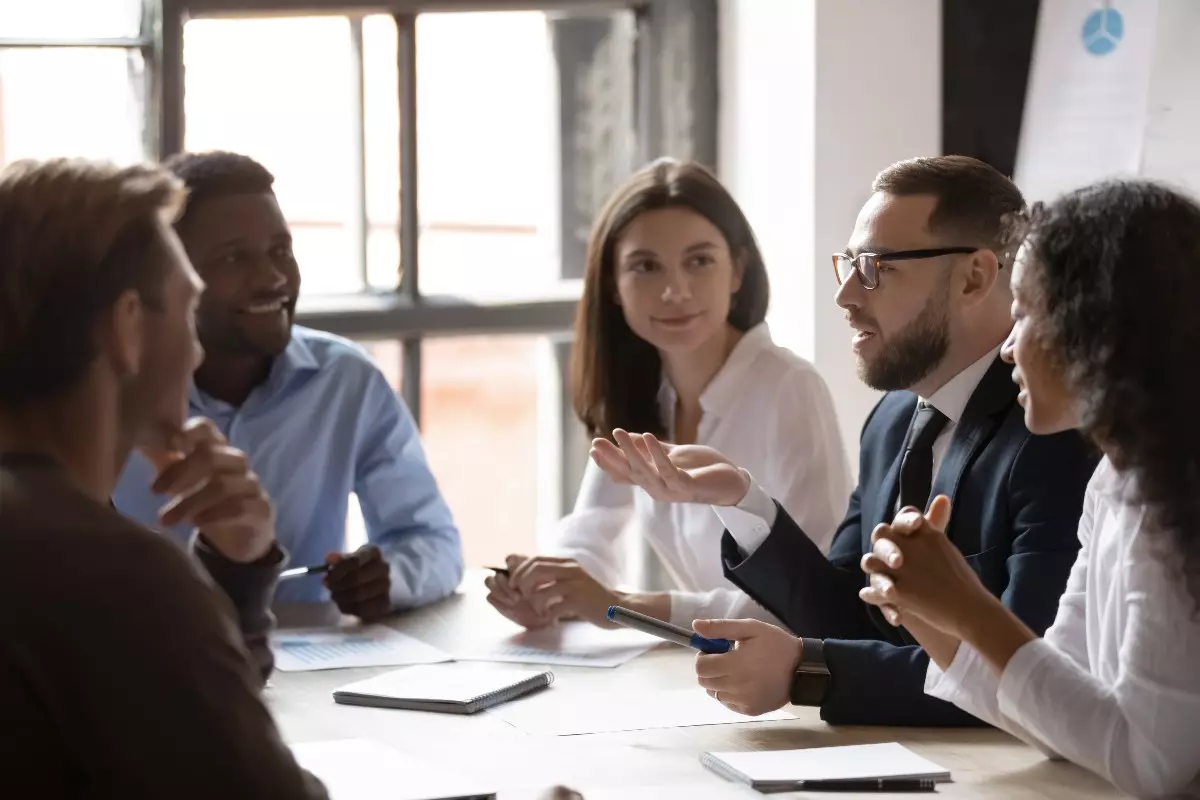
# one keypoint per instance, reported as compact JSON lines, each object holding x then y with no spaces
{"x":750,"y":521}
{"x":250,"y":589}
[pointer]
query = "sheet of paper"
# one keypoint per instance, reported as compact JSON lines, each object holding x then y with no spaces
{"x":863,"y":761}
{"x":570,"y":644}
{"x":1089,"y":81}
{"x":361,"y":769}
{"x":301,"y":650}
{"x":571,"y":713}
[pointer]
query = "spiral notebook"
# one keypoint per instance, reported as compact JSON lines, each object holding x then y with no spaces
{"x":448,"y":688}
{"x":787,"y":770}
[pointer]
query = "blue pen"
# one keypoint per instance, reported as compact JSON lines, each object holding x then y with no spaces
{"x":665,"y":630}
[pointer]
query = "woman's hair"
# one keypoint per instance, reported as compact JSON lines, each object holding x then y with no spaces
{"x":615,"y":375}
{"x":1116,"y":275}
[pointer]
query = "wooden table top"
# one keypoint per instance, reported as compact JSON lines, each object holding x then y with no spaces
{"x":662,"y":763}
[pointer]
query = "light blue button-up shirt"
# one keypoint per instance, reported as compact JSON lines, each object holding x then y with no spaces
{"x":324,"y":424}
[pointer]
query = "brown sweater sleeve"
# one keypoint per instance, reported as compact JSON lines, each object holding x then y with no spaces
{"x":163,"y":693}
{"x":251,"y":588}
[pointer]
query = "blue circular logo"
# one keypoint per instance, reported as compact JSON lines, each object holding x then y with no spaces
{"x":1102,"y":29}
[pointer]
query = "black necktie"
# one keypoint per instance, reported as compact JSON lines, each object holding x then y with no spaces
{"x":916,"y":470}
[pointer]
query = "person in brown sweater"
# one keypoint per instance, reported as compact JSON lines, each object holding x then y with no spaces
{"x":122,"y":670}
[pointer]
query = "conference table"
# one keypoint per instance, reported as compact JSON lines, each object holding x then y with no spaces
{"x":660,"y":763}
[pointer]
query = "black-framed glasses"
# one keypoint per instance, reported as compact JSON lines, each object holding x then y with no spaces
{"x":867,"y":264}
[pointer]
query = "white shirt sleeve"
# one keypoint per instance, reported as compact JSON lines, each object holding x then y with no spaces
{"x":590,"y":532}
{"x":807,"y":469}
{"x":1134,"y":721}
{"x":750,"y":521}
{"x":1138,"y":727}
{"x":972,"y":685}
{"x":687,"y":607}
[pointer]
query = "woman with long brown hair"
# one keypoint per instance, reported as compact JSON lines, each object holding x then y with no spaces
{"x":670,"y":339}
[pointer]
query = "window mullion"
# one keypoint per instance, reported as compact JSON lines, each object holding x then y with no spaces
{"x":360,"y":226}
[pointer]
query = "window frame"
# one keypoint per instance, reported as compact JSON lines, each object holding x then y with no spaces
{"x":675,"y":54}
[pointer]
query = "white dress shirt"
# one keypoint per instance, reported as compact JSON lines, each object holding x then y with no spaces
{"x":1115,"y":684}
{"x":767,"y":409}
{"x":751,"y":520}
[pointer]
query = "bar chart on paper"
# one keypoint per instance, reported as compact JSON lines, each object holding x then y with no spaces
{"x":302,"y":650}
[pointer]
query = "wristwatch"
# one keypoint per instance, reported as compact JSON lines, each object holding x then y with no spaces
{"x":812,"y":675}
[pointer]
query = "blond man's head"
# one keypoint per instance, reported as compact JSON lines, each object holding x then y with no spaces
{"x":90,"y":271}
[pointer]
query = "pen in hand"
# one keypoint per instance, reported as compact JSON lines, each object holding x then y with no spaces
{"x":297,"y":572}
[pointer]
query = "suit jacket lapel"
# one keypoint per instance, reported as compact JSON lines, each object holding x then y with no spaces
{"x":981,"y":417}
{"x":983,"y":414}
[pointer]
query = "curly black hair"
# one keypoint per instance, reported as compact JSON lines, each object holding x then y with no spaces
{"x":218,"y":173}
{"x":1115,"y":270}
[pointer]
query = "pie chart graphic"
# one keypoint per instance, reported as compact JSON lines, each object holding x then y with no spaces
{"x":1102,"y":30}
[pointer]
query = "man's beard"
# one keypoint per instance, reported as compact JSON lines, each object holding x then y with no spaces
{"x":912,"y":353}
{"x":224,"y":337}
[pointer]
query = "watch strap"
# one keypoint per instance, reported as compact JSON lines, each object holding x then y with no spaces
{"x":811,"y":679}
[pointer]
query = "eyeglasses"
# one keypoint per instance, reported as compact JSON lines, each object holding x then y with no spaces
{"x":867,"y":264}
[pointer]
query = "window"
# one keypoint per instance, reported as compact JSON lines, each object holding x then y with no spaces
{"x":254,"y":87}
{"x":96,"y":111}
{"x":73,"y":80}
{"x":487,"y":154}
{"x":490,"y":432}
{"x":439,"y":170}
{"x":71,"y":19}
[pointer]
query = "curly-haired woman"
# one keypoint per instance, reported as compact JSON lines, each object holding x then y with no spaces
{"x":1106,"y":339}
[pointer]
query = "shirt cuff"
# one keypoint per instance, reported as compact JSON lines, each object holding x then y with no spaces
{"x":1017,"y":680}
{"x":751,"y":520}
{"x":949,"y":685}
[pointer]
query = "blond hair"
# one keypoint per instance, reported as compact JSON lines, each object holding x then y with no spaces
{"x":73,"y":235}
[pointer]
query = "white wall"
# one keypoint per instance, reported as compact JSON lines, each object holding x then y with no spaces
{"x":1133,"y":110}
{"x":816,"y":97}
{"x":1171,"y":153}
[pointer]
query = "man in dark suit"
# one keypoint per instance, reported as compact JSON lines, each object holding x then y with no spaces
{"x":924,"y":283}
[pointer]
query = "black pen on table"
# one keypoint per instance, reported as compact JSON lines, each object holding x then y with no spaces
{"x":297,"y":572}
{"x":865,"y":785}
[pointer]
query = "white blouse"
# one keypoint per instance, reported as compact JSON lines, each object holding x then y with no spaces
{"x":770,"y":412}
{"x":1115,"y":684}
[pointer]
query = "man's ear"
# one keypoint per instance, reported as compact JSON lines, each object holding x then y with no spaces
{"x":980,"y":275}
{"x":124,"y":334}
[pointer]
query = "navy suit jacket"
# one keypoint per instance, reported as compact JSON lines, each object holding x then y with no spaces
{"x":1016,"y":501}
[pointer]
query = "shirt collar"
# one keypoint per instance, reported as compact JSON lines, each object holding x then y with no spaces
{"x":296,"y":359}
{"x":953,"y":397}
{"x":725,"y":387}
